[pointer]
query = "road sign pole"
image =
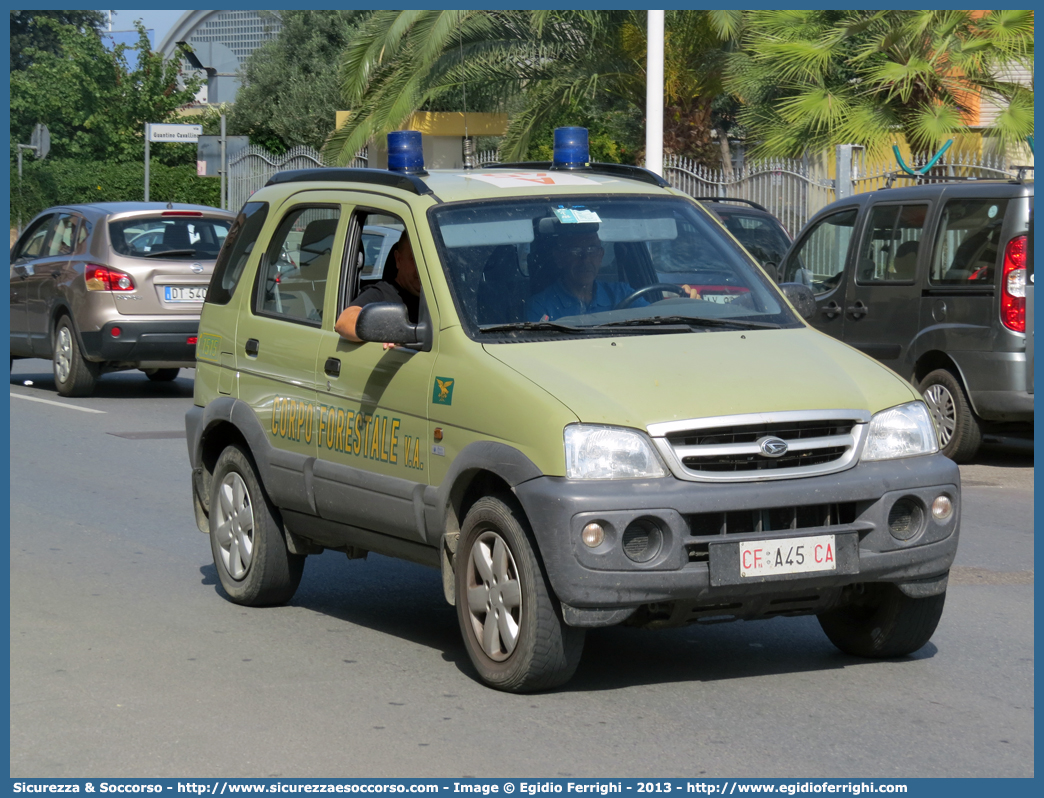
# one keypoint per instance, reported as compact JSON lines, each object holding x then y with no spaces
{"x":148,"y":134}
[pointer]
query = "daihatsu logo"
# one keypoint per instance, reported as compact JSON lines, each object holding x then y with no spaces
{"x":772,"y":446}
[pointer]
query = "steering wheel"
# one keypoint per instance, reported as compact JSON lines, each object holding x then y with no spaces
{"x":676,"y":289}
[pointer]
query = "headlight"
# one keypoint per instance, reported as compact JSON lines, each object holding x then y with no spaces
{"x":609,"y":453}
{"x":901,"y":431}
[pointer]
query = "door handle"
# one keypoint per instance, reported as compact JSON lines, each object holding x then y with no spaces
{"x":858,"y":309}
{"x":252,"y":347}
{"x":332,"y":367}
{"x":831,"y":310}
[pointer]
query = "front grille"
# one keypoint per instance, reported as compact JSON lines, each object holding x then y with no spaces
{"x":712,"y":526}
{"x":742,"y":447}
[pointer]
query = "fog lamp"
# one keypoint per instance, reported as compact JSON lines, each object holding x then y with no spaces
{"x":942,"y":508}
{"x":592,"y":535}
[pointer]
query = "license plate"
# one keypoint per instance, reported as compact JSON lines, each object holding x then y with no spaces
{"x":184,"y":293}
{"x":788,"y":556}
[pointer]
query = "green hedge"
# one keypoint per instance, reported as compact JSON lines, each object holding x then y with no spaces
{"x":53,"y":182}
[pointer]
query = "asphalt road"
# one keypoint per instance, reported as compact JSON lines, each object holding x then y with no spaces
{"x":126,"y":660}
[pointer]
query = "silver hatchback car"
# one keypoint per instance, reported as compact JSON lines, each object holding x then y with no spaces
{"x":111,"y":286}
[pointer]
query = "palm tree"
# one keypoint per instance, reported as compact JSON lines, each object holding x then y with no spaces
{"x":542,"y":66}
{"x":811,"y":79}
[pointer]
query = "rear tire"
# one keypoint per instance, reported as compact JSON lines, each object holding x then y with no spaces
{"x":883,"y":622}
{"x":162,"y":375}
{"x":246,"y":536}
{"x":73,"y":374}
{"x":509,"y":617}
{"x":960,"y":434}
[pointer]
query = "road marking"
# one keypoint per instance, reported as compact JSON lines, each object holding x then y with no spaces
{"x":56,"y":404}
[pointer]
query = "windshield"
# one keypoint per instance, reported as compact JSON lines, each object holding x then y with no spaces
{"x":169,"y":238}
{"x":598,"y":265}
{"x":761,"y":236}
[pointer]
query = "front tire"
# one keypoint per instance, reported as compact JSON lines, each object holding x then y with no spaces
{"x":246,"y":536}
{"x":960,"y":434}
{"x":510,"y":620}
{"x":882,"y":621}
{"x":73,"y":374}
{"x":162,"y":375}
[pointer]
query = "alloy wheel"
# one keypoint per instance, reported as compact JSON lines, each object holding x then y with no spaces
{"x":494,"y":596}
{"x":63,"y":353}
{"x":944,"y":411}
{"x":235,"y":525}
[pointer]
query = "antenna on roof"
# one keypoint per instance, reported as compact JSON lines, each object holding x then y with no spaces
{"x":469,"y":145}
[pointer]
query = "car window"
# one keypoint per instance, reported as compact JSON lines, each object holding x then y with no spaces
{"x":33,"y":241}
{"x":377,"y":241}
{"x":891,"y":243}
{"x":968,"y":242}
{"x":761,"y":237}
{"x":596,"y":263}
{"x":182,"y":237}
{"x":819,"y":260}
{"x":64,"y":233}
{"x":293,"y":275}
{"x":235,"y":252}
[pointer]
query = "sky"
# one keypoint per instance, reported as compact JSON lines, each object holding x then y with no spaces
{"x":159,"y":20}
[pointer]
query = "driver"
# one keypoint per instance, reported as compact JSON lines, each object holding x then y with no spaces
{"x":577,"y":256}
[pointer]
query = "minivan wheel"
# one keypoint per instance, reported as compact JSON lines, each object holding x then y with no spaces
{"x":509,"y":617}
{"x":960,"y":434}
{"x":162,"y":375}
{"x":247,"y":538}
{"x":882,"y":621}
{"x":73,"y":375}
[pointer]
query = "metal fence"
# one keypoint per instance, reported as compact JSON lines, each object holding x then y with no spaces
{"x":256,"y":165}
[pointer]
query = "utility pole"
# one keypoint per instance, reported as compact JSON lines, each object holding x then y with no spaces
{"x":654,"y":94}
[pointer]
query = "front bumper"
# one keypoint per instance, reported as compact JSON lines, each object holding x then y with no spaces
{"x":159,"y":342}
{"x":699,"y":569}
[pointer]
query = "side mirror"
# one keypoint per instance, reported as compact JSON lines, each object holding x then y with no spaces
{"x":801,"y":297}
{"x":387,"y":322}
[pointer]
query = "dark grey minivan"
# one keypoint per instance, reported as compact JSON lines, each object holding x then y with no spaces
{"x":932,"y":280}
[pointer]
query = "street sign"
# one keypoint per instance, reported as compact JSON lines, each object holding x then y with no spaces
{"x":181,"y":134}
{"x":41,"y":140}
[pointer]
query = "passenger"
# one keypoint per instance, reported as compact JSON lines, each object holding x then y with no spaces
{"x":399,"y":284}
{"x":577,"y":256}
{"x":905,"y":264}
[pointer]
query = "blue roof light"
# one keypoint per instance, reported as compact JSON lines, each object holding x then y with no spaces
{"x":404,"y":152}
{"x":571,"y":151}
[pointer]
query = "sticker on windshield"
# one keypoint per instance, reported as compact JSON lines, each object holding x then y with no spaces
{"x":576,"y":215}
{"x":530,"y":179}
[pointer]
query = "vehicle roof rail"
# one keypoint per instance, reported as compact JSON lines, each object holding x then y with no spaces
{"x":411,"y":183}
{"x":608,"y":169}
{"x":751,"y":203}
{"x":925,"y":179}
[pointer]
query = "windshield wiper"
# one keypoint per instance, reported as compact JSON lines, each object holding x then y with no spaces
{"x":531,"y":325}
{"x":170,"y":252}
{"x":697,"y":321}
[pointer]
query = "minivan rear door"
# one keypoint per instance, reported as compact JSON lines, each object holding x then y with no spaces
{"x":882,"y":303}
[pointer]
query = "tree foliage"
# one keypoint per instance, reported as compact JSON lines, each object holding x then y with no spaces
{"x":95,"y":101}
{"x":543,"y":67}
{"x":27,"y":36}
{"x":812,"y":79}
{"x":290,"y":89}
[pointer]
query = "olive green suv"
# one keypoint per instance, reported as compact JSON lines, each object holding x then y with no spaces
{"x":599,"y":410}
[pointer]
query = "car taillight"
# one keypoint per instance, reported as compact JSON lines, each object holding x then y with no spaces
{"x":1013,"y":285}
{"x":102,"y":278}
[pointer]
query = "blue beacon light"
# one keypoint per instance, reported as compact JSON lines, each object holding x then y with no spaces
{"x":571,"y":150}
{"x":405,"y":154}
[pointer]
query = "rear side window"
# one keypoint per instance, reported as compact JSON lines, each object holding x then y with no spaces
{"x":293,"y":275}
{"x":968,"y":242}
{"x":819,"y":260}
{"x":236,"y":252}
{"x":891,"y":243}
{"x":33,"y":241}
